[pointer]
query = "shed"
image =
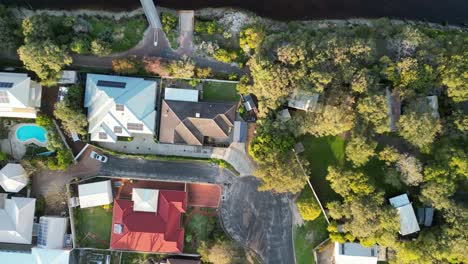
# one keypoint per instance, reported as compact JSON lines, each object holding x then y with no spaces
{"x":178,"y":94}
{"x":240,"y":131}
{"x":250,"y":103}
{"x":408,"y":221}
{"x":13,"y":177}
{"x":67,"y":77}
{"x":95,"y":194}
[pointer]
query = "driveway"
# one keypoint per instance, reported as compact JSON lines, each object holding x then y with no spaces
{"x":186,"y":19}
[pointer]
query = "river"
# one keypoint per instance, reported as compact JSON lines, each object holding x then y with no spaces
{"x":438,"y":11}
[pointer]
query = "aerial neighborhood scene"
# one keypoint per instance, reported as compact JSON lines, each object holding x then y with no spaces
{"x":229,"y":132}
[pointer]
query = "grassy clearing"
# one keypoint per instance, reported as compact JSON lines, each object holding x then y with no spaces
{"x":307,"y":237}
{"x":125,"y":33}
{"x":220,"y":92}
{"x":93,"y":226}
{"x":321,"y":153}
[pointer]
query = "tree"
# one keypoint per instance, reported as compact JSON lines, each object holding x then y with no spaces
{"x":8,"y":36}
{"x":221,"y":252}
{"x":361,"y":81}
{"x":251,"y":37}
{"x":419,"y":129}
{"x":168,"y":21}
{"x":331,"y":121}
{"x":349,"y":184}
{"x":184,"y":68}
{"x":359,"y":150}
{"x":281,"y":176}
{"x":374,"y":109}
{"x":225,"y":56}
{"x":156,"y":65}
{"x":389,"y":155}
{"x":409,"y":74}
{"x":307,"y":205}
{"x":204,"y":73}
{"x":410,"y":169}
{"x":100,"y":47}
{"x":291,"y":54}
{"x":129,"y":65}
{"x":72,"y":120}
{"x":46,"y":59}
{"x":81,"y":45}
{"x":454,"y":75}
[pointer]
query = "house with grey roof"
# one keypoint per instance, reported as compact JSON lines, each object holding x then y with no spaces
{"x":408,"y":222}
{"x":16,"y":219}
{"x":196,"y":123}
{"x":355,"y":253}
{"x":120,"y":106}
{"x":19,"y":95}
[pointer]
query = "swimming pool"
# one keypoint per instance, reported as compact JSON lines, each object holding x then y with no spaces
{"x":27,"y":132}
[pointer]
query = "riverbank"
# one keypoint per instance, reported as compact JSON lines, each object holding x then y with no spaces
{"x":449,"y":11}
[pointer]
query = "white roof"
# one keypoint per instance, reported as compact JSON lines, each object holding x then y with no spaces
{"x":67,"y":77}
{"x":145,"y":200}
{"x":136,"y":103}
{"x":434,"y":104}
{"x":177,"y":94}
{"x":408,"y":222}
{"x":50,"y":256}
{"x":355,"y":253}
{"x":13,"y":177}
{"x":303,"y":100}
{"x":16,"y":220}
{"x":95,"y":194}
{"x":20,"y":96}
{"x":52,"y":232}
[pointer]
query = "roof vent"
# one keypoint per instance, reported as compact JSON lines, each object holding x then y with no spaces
{"x":118,"y":229}
{"x":197,"y":114}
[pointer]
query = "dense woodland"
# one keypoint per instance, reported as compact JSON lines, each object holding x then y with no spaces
{"x":352,"y":67}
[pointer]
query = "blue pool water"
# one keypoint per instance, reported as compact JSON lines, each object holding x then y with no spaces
{"x":28,"y":132}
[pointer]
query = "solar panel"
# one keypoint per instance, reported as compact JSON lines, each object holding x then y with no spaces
{"x":6,"y":84}
{"x":111,"y":84}
{"x":134,"y":126}
{"x":42,"y":232}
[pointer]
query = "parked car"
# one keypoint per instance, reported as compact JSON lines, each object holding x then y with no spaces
{"x":98,"y":157}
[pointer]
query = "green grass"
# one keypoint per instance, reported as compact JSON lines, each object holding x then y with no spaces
{"x":321,"y":153}
{"x":220,"y":92}
{"x":307,"y":237}
{"x":136,"y":258}
{"x":94,"y":220}
{"x":131,"y":31}
{"x":199,"y":228}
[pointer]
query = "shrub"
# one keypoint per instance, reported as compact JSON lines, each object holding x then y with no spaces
{"x":100,"y":47}
{"x":44,"y":121}
{"x":156,"y":65}
{"x":80,"y":45}
{"x":168,"y":21}
{"x":307,"y":205}
{"x":225,"y":56}
{"x":128,"y":65}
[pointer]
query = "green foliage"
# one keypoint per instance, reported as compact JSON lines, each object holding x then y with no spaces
{"x":80,"y":45}
{"x":331,"y":121}
{"x":168,"y":21}
{"x":129,"y":65}
{"x":3,"y":156}
{"x":209,"y":27}
{"x":8,"y":23}
{"x":359,"y":150}
{"x":307,"y":205}
{"x":410,"y":169}
{"x":270,"y":141}
{"x":454,"y":75}
{"x":420,"y":129}
{"x":46,"y":59}
{"x":225,"y":55}
{"x":72,"y":120}
{"x":200,"y":226}
{"x":100,"y":47}
{"x":243,"y":86}
{"x":44,"y":121}
{"x":251,"y":37}
{"x":374,"y":110}
{"x":184,"y":68}
{"x":389,"y":155}
{"x":204,"y":73}
{"x":349,"y":184}
{"x":221,"y":252}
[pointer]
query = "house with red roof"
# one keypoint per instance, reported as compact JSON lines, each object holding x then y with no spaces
{"x":150,"y":222}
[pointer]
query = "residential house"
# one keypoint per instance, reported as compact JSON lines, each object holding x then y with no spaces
{"x":19,"y":95}
{"x":36,"y":256}
{"x":408,"y":221}
{"x":149,"y":222}
{"x":16,"y":219}
{"x":355,"y":253}
{"x":13,"y":177}
{"x":196,"y":123}
{"x":120,"y":106}
{"x":304,"y":100}
{"x":95,"y":194}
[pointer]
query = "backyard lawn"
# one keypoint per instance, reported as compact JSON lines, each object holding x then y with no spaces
{"x":307,"y":237}
{"x":93,"y":226}
{"x":220,"y":92}
{"x":321,"y":153}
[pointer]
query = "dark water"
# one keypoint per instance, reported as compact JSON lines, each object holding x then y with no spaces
{"x":439,"y":11}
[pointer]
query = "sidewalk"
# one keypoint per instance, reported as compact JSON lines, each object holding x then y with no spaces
{"x":144,"y":144}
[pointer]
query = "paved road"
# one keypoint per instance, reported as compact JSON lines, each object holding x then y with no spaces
{"x":151,"y":13}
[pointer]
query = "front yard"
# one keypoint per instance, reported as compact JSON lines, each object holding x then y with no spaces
{"x":220,"y":92}
{"x":93,"y":226}
{"x":307,"y":237}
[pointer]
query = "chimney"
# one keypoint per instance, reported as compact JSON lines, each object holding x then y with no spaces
{"x":197,"y":114}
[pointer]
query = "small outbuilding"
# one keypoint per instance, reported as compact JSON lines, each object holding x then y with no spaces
{"x":13,"y":177}
{"x":95,"y":194}
{"x":304,"y":100}
{"x":408,"y":221}
{"x":240,"y":131}
{"x":178,"y":94}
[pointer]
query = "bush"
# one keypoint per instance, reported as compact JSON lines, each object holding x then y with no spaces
{"x":156,"y":65}
{"x":307,"y":205}
{"x":81,"y":45}
{"x":44,"y":121}
{"x":225,"y":56}
{"x":3,"y":156}
{"x":168,"y":21}
{"x":130,"y":65}
{"x":100,"y":47}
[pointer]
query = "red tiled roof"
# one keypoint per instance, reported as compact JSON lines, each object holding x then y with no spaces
{"x":147,"y":231}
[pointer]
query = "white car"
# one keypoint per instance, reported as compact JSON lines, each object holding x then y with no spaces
{"x":98,"y":157}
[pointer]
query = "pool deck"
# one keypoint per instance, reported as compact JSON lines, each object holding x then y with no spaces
{"x":15,"y":147}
